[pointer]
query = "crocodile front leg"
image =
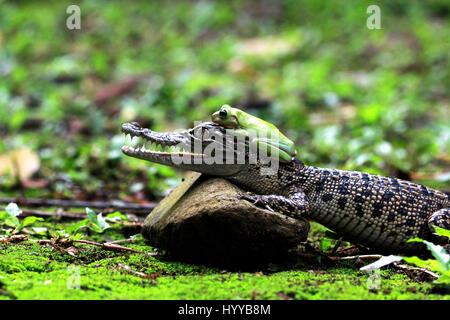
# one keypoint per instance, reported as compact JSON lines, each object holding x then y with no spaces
{"x":294,"y":204}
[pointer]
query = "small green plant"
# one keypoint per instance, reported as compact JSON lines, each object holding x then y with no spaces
{"x":9,"y":217}
{"x":440,"y":265}
{"x":95,"y":222}
{"x":325,"y":244}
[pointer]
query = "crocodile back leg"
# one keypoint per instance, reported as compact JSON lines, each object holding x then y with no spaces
{"x":440,"y":218}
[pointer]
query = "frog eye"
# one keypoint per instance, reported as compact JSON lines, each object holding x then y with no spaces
{"x":223,"y":114}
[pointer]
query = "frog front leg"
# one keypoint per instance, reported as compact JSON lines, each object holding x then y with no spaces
{"x":271,"y":148}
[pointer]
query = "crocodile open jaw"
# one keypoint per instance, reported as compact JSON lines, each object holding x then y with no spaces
{"x":146,"y":144}
{"x":184,"y":149}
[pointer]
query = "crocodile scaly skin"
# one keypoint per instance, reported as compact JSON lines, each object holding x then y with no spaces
{"x":376,"y":211}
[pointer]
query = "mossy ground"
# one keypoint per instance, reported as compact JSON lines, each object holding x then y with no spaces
{"x":33,"y":271}
{"x":350,"y":97}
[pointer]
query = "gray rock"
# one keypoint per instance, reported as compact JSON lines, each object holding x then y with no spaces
{"x":202,"y":220}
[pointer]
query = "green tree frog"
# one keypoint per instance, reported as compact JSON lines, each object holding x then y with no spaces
{"x":267,"y":135}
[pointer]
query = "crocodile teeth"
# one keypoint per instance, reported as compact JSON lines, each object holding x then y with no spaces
{"x":134,"y":141}
{"x":141,"y":145}
{"x":127,"y":139}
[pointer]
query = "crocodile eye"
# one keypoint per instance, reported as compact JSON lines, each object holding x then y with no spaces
{"x":223,"y":114}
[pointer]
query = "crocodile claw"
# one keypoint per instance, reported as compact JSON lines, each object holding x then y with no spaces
{"x":256,"y":200}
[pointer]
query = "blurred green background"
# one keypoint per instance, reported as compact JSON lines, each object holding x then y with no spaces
{"x":351,"y":97}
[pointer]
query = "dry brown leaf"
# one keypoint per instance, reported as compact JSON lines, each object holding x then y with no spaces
{"x":444,"y":157}
{"x":21,"y":163}
{"x":270,"y":46}
{"x":342,"y":114}
{"x":237,"y":65}
{"x":116,"y":89}
{"x":442,"y":175}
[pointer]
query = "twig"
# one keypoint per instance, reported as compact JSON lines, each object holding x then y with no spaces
{"x":120,"y":241}
{"x":129,"y":269}
{"x":115,"y":247}
{"x":378,"y":256}
{"x":59,"y":213}
{"x":401,"y":266}
{"x":117,"y":89}
{"x":364,"y":256}
{"x":115,"y":204}
{"x":103,"y":245}
{"x":336,"y":258}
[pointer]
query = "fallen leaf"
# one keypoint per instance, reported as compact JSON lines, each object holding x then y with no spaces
{"x":340,"y":115}
{"x":39,"y":183}
{"x":270,"y":46}
{"x":285,"y":296}
{"x":71,"y":251}
{"x":237,"y":65}
{"x":21,"y":163}
{"x":439,"y":176}
{"x":116,"y":89}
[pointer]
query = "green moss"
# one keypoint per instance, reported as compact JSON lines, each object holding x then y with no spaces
{"x":33,"y":271}
{"x":154,"y":265}
{"x":17,"y":258}
{"x":390,"y":118}
{"x":106,"y":283}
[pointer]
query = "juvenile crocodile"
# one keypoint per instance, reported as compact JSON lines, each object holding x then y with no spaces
{"x":372,"y":210}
